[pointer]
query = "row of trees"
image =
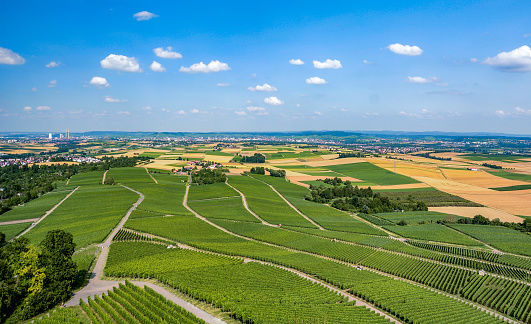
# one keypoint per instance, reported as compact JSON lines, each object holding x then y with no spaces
{"x":525,"y":226}
{"x":350,"y":154}
{"x":346,"y":197}
{"x":34,"y":279}
{"x":255,"y":158}
{"x":208,"y":176}
{"x":22,"y":183}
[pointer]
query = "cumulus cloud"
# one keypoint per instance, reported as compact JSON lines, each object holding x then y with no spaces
{"x":144,"y":15}
{"x":518,"y":60}
{"x":423,"y":114}
{"x":273,"y":101}
{"x":240,"y":112}
{"x":254,"y":108}
{"x":43,"y":108}
{"x":7,"y":56}
{"x":123,"y":113}
{"x":157,"y":67}
{"x":318,"y":113}
{"x":147,"y":108}
{"x":223,"y":85}
{"x":527,"y":35}
{"x":296,"y":62}
{"x":328,"y":64}
{"x":26,"y":108}
{"x":194,"y":111}
{"x":111,"y":99}
{"x":473,"y":60}
{"x":181,"y":112}
{"x":161,"y":52}
{"x":517,"y":111}
{"x":99,"y":82}
{"x":265,"y":87}
{"x":213,"y":66}
{"x":120,"y":63}
{"x":405,"y":49}
{"x":367,"y":62}
{"x":52,"y":84}
{"x":421,"y":80}
{"x":53,"y":64}
{"x":316,"y":80}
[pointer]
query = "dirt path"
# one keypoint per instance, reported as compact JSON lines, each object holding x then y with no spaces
{"x":104,"y":175}
{"x":19,"y":221}
{"x":245,"y":205}
{"x":46,"y":214}
{"x":291,"y":205}
{"x":151,"y":176}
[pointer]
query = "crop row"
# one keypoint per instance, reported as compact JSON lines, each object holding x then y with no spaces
{"x":59,"y":316}
{"x":226,"y":208}
{"x":125,"y":235}
{"x":375,"y":219}
{"x":131,"y":304}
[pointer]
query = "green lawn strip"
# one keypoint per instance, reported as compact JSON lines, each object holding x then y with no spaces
{"x":502,"y":238}
{"x":37,"y":207}
{"x":433,"y":232}
{"x":89,"y":214}
{"x":225,"y":208}
{"x":12,"y":230}
{"x":210,"y":191}
{"x":323,"y":215}
{"x":416,"y":217}
{"x":366,"y":171}
{"x":260,"y":198}
{"x":513,"y":188}
{"x":219,"y":153}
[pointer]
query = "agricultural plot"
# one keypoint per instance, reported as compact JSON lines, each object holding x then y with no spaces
{"x":502,"y":238}
{"x":129,"y":176}
{"x":165,"y":199}
{"x":494,"y":157}
{"x":363,"y":239}
{"x":432,"y":197}
{"x":513,"y":188}
{"x":224,"y":208}
{"x":261,"y":197}
{"x":12,"y":230}
{"x":371,"y":173}
{"x":89,"y":214}
{"x":433,"y":232}
{"x":88,"y":178}
{"x":416,"y":217}
{"x":37,"y":207}
{"x":511,"y":175}
{"x":60,"y":315}
{"x":211,"y":191}
{"x":131,"y":304}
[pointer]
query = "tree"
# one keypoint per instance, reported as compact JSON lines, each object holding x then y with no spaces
{"x":402,"y":223}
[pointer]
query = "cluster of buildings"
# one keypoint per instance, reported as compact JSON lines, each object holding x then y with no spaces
{"x":44,"y":159}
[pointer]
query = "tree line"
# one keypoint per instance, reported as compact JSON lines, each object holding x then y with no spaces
{"x":525,"y":226}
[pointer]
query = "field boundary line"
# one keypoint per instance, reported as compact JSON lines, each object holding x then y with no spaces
{"x":20,"y":221}
{"x":151,"y":176}
{"x":244,"y":200}
{"x":45,"y":214}
{"x":291,"y":205}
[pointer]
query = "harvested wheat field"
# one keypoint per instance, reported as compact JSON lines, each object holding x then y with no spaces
{"x":513,"y":202}
{"x":403,"y":186}
{"x":218,"y":158}
{"x":480,"y":178}
{"x":490,"y":213}
{"x":160,"y":164}
{"x":193,"y":155}
{"x":409,"y":169}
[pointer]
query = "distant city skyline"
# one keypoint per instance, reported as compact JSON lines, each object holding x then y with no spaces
{"x":234,"y":67}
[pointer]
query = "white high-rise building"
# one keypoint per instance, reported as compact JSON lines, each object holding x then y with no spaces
{"x":50,"y":136}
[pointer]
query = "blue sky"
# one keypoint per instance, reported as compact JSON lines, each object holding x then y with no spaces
{"x":372,"y":65}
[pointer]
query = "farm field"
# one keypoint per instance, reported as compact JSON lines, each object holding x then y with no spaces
{"x":433,"y":232}
{"x":415,"y":217}
{"x":366,"y":171}
{"x":12,"y":230}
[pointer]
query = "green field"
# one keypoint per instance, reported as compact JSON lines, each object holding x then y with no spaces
{"x":433,"y":232}
{"x":227,"y":208}
{"x":513,"y":188}
{"x":368,"y":172}
{"x":211,"y":191}
{"x":503,"y":238}
{"x":494,"y":157}
{"x":511,"y":175}
{"x":12,"y":230}
{"x":431,"y":196}
{"x":415,"y":217}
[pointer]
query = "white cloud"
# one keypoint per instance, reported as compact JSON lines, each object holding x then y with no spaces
{"x":27,"y":108}
{"x":147,"y":108}
{"x":213,"y":66}
{"x":99,"y":82}
{"x":423,"y":114}
{"x":111,"y":99}
{"x":157,"y":67}
{"x":316,"y":80}
{"x":123,"y":113}
{"x":240,"y":112}
{"x":318,"y":113}
{"x":405,"y":49}
{"x":253,"y":108}
{"x":161,"y":52}
{"x":328,"y":64}
{"x":223,"y":85}
{"x":7,"y":56}
{"x":53,"y":64}
{"x":442,"y":84}
{"x":518,"y":111}
{"x":144,"y":15}
{"x":518,"y":60}
{"x":121,"y":63}
{"x":43,"y":108}
{"x":367,"y":62}
{"x":265,"y":87}
{"x":500,"y":113}
{"x":181,"y":112}
{"x":296,"y":62}
{"x":273,"y":101}
{"x":52,"y":84}
{"x":194,"y":111}
{"x":252,"y":75}
{"x":165,"y":110}
{"x":473,"y":60}
{"x":34,"y":89}
{"x":421,"y":80}
{"x":527,"y":35}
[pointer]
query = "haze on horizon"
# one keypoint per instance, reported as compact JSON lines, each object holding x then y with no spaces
{"x":457,"y":66}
